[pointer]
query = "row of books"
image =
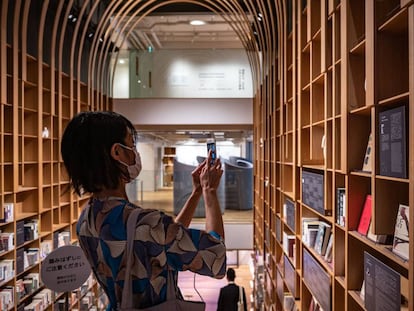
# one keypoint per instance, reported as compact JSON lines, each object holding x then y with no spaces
{"x":289,"y":303}
{"x":314,"y":305}
{"x":6,"y":269}
{"x":7,"y":213}
{"x":400,"y":238}
{"x":27,"y":285}
{"x":6,"y":241}
{"x":40,"y":301}
{"x":6,"y":297}
{"x":317,"y":234}
{"x":26,"y":230}
{"x":26,"y":258}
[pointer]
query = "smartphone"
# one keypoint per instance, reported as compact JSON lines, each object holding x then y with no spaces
{"x":211,"y":144}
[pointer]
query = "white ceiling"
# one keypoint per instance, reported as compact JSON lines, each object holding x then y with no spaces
{"x":174,"y":31}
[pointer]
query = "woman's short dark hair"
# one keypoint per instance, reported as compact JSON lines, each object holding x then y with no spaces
{"x":86,"y":146}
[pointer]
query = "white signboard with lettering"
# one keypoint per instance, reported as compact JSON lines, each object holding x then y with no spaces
{"x":65,"y":269}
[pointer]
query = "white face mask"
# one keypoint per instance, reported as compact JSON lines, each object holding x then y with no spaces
{"x":133,"y":169}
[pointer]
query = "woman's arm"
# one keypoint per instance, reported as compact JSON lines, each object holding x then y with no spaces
{"x":187,"y":212}
{"x":210,"y":179}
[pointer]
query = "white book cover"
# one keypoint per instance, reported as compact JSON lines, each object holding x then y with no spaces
{"x":401,"y":243}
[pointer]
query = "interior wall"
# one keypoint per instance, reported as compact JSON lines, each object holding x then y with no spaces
{"x":178,"y":111}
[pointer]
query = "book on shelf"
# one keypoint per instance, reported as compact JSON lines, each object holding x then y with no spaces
{"x":289,"y":213}
{"x":392,"y":142}
{"x":289,"y":244}
{"x":340,"y":206}
{"x":8,"y":212}
{"x":310,"y":227}
{"x":382,"y":285}
{"x":378,"y":238}
{"x":322,"y":238}
{"x":367,"y":165}
{"x":400,"y":245}
{"x":365,"y":218}
{"x":362,"y":291}
{"x":329,"y":249}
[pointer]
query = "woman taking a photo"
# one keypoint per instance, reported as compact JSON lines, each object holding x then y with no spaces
{"x":100,"y":156}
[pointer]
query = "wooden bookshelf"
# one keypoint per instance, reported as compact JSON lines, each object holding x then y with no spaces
{"x":342,"y":63}
{"x":38,"y":98}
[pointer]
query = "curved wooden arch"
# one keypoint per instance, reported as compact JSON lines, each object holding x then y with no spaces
{"x":100,"y":61}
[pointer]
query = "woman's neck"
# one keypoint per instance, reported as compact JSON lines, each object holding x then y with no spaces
{"x":120,"y":193}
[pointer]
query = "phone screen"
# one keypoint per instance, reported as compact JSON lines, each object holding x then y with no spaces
{"x":212,"y":146}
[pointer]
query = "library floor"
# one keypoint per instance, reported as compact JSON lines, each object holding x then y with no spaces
{"x":208,"y":288}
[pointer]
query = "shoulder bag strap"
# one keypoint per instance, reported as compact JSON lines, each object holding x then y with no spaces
{"x":127,"y":290}
{"x":241,"y":295}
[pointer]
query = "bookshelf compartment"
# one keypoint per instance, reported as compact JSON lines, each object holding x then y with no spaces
{"x":393,"y":73}
{"x":337,"y":90}
{"x":384,"y":10}
{"x":337,"y":145}
{"x":305,"y":72}
{"x":359,"y":130}
{"x":339,"y":297}
{"x":389,"y":194}
{"x":30,"y":150}
{"x":305,"y":108}
{"x":46,"y":203}
{"x":318,"y":101}
{"x":356,"y":81}
{"x":47,"y":174}
{"x":56,"y":217}
{"x":317,"y":139}
{"x":47,"y":150}
{"x":46,"y":102}
{"x":288,"y":150}
{"x":27,"y":203}
{"x":305,"y":152}
{"x":358,"y":188}
{"x":29,"y":175}
{"x":8,"y":149}
{"x":356,"y":22}
{"x":315,"y":17}
{"x":290,"y":277}
{"x":287,"y":183}
{"x":8,"y":182}
{"x":31,"y":70}
{"x":337,"y":36}
{"x":313,"y":190}
{"x":30,"y":127}
{"x":316,"y":57}
{"x":317,"y":280}
{"x":9,"y":90}
{"x":56,"y":196}
{"x":46,"y":221}
{"x":8,"y":119}
{"x":65,"y":214}
{"x":339,"y":253}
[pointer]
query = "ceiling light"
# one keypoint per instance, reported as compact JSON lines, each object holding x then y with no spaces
{"x":122,"y":61}
{"x":197,"y":22}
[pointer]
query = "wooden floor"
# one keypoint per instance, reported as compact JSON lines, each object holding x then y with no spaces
{"x":208,"y":287}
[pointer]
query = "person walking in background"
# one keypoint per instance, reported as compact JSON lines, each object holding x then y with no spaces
{"x":229,"y":298}
{"x":100,"y":155}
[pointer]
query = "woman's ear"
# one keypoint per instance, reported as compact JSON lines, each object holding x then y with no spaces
{"x":115,"y":151}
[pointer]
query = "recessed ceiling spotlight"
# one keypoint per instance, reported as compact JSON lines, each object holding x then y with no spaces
{"x":122,"y":61}
{"x":197,"y":22}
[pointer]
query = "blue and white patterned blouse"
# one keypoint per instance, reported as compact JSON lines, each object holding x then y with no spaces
{"x":159,"y":243}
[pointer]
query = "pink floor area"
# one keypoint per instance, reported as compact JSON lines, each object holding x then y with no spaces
{"x":208,"y":287}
